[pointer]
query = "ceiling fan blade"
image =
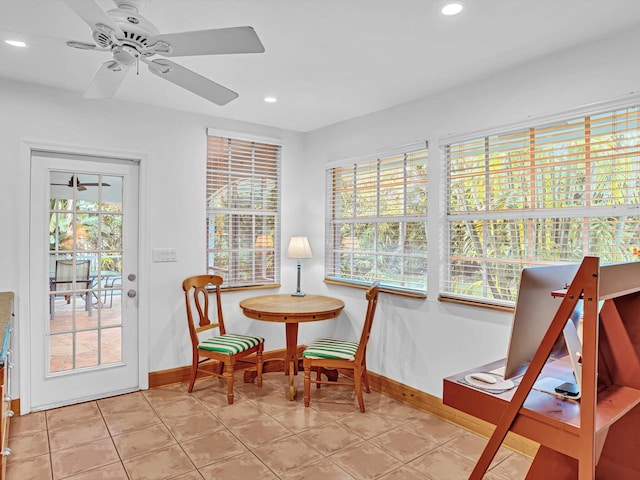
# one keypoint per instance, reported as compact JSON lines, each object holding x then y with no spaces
{"x":93,"y":15}
{"x":106,"y":81}
{"x":191,"y":81}
{"x":210,"y":42}
{"x":103,"y":184}
{"x":82,"y":45}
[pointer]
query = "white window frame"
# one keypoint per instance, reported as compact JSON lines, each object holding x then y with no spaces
{"x":264,"y":249}
{"x":342,"y":246}
{"x":625,"y":212}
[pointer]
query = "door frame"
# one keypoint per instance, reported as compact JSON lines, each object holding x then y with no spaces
{"x":22,"y":325}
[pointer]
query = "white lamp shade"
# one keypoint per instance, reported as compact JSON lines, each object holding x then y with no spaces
{"x":299,"y":247}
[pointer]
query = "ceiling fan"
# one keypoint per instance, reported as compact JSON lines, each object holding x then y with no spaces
{"x":74,"y":181}
{"x":131,"y":39}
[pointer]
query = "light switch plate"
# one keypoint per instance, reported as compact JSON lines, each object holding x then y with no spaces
{"x":165,"y":255}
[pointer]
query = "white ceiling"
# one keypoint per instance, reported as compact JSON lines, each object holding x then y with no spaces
{"x":325,"y":60}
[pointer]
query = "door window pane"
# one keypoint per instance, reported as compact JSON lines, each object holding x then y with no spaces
{"x":85,"y":272}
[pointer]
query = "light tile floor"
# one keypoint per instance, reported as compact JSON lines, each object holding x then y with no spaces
{"x":167,"y":433}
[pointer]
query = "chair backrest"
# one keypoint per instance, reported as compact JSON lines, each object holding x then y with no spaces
{"x":372,"y":298}
{"x":65,"y":274}
{"x":196,"y":294}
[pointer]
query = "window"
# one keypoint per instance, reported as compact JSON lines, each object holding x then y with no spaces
{"x":541,"y":195}
{"x":243,"y":210}
{"x":377,"y":222}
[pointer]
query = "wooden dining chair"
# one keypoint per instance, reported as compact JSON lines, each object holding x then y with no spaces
{"x":223,"y":348}
{"x":335,"y":354}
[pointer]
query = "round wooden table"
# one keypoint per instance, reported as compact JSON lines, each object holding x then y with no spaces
{"x":291,"y":310}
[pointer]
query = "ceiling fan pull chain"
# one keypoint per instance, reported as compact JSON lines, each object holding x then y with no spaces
{"x":137,"y":64}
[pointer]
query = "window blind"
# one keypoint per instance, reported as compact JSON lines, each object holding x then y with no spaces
{"x":243,"y":211}
{"x":541,"y":195}
{"x":377,"y":223}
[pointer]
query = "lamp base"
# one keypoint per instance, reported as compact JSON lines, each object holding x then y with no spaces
{"x":298,"y":293}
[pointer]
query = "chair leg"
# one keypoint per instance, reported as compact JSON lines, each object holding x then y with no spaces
{"x":307,"y":384}
{"x":259,"y":368}
{"x":87,"y":302}
{"x":194,"y":372}
{"x":365,"y":376}
{"x":357,"y":377}
{"x":318,"y":376}
{"x":108,"y":291}
{"x":228,"y":375}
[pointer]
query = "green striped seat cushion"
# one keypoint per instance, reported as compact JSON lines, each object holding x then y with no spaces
{"x":230,"y":343}
{"x":331,"y":348}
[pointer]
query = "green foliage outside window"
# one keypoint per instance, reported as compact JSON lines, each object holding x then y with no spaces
{"x":539,"y":196}
{"x":377,"y":230}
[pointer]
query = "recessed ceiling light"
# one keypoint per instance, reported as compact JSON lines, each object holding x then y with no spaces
{"x":270,"y":99}
{"x":15,"y":43}
{"x":452,"y":9}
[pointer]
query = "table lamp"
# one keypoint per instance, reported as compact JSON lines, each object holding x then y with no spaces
{"x":299,"y":248}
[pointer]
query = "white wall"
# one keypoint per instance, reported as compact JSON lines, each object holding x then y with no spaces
{"x":420,"y":342}
{"x":416,"y":342}
{"x":172,"y":190}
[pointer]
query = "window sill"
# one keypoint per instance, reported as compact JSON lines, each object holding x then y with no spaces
{"x":249,"y":287}
{"x":474,"y":303}
{"x":383,"y":289}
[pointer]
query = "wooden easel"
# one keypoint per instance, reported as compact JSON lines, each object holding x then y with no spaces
{"x":608,"y":435}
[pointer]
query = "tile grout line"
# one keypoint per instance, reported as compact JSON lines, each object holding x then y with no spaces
{"x":249,"y":449}
{"x":126,"y":472}
{"x":170,"y":433}
{"x":46,"y":424}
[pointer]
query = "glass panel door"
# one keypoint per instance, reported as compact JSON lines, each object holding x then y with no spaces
{"x":83,"y":332}
{"x":85,"y":277}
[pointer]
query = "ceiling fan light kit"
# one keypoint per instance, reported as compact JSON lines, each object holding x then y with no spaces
{"x":131,"y":39}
